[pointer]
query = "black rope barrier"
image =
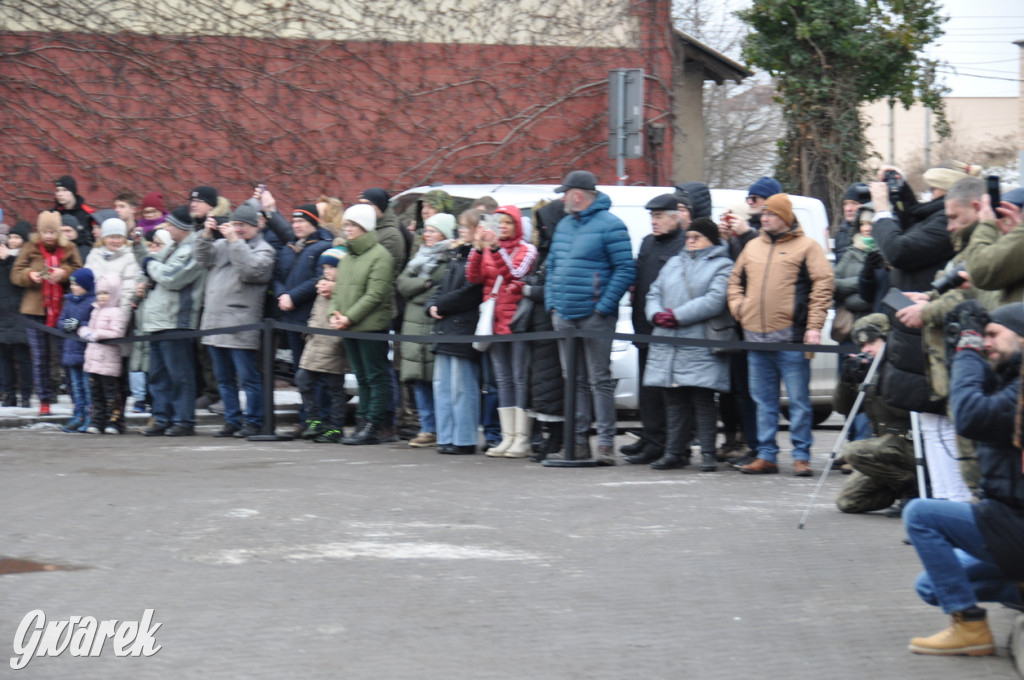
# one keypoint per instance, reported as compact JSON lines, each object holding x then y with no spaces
{"x":571,"y":334}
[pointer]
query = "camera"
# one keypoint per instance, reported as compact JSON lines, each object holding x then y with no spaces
{"x":854,"y":367}
{"x":949,"y":281}
{"x":894,"y":182}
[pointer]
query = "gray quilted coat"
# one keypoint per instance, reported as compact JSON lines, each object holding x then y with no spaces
{"x":694,"y":287}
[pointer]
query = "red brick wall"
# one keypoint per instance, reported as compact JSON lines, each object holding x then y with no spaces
{"x":307,"y":117}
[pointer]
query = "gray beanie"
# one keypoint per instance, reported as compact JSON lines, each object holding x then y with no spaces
{"x":1011,"y":316}
{"x":248,"y":212}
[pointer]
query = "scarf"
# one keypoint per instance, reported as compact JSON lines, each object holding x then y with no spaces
{"x":150,"y":225}
{"x":426,"y":259}
{"x":53,"y":293}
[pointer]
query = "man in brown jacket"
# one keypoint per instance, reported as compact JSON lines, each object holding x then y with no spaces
{"x":780,"y":291}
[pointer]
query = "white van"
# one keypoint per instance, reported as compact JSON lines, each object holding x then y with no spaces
{"x":628,"y":204}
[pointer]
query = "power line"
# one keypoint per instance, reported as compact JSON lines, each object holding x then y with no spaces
{"x":974,"y":75}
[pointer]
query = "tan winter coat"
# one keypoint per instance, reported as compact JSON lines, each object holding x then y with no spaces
{"x":780,"y":289}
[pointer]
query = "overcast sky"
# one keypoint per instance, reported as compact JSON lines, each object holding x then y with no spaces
{"x":979,"y":45}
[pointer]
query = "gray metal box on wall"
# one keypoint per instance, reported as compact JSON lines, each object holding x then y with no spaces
{"x":625,"y":113}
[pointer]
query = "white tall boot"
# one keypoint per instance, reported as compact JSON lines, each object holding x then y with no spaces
{"x":521,"y":444}
{"x":507,"y":416}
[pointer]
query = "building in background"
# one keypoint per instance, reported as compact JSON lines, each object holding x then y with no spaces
{"x":315,"y":96}
{"x":985,"y":130}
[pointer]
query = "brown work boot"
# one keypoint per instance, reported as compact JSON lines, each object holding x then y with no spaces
{"x":423,"y":440}
{"x":971,"y":637}
{"x":760,"y":466}
{"x":802,"y":468}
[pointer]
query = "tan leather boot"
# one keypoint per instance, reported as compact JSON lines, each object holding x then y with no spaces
{"x":972,"y":638}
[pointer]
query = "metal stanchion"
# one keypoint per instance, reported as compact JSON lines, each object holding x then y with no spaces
{"x":569,"y":424}
{"x":268,"y":434}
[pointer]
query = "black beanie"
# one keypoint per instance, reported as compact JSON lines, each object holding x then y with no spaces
{"x":706,"y":226}
{"x":858,"y":191}
{"x":377,"y":196}
{"x":68,"y":182}
{"x":22,"y":229}
{"x":308,"y":212}
{"x":207,"y":195}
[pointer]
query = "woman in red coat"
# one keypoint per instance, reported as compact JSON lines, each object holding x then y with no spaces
{"x":507,"y":255}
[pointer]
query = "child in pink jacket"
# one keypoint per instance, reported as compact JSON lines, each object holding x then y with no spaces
{"x":103,"y":360}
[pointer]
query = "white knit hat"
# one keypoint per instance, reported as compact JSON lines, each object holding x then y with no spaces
{"x":114,"y":226}
{"x":443,"y":222}
{"x":363,"y":215}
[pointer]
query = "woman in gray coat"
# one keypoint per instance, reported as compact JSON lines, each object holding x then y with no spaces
{"x":689,"y":291}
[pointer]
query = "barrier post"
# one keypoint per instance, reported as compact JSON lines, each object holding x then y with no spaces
{"x":268,"y":434}
{"x":569,"y":425}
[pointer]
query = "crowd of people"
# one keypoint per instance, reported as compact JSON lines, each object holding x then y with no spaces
{"x":930,"y":292}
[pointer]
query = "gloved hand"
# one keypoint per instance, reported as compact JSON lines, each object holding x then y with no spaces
{"x":970,"y":340}
{"x":70,"y":325}
{"x":665,"y":319}
{"x":855,"y":368}
{"x":874,"y":259}
{"x":87,"y":334}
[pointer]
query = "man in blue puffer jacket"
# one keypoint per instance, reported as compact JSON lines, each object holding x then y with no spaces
{"x":590,"y":267}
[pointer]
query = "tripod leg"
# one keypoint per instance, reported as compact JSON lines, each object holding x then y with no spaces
{"x":922,"y":468}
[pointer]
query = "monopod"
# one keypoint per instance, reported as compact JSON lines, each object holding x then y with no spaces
{"x":841,"y":439}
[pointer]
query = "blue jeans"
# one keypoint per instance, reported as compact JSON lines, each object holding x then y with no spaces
{"x":231,"y":366}
{"x":79,"y":386}
{"x":987,"y":580}
{"x":172,"y":381}
{"x":424,"y":392}
{"x":766,"y":369}
{"x":456,"y":400}
{"x":860,"y":428}
{"x":937,"y":528}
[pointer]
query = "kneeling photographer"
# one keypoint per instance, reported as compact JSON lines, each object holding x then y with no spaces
{"x":883,"y":465}
{"x":974,"y":552}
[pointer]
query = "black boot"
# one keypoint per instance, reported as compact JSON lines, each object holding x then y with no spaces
{"x":648,"y":454}
{"x":553,"y":444}
{"x":632,"y":449}
{"x":670,"y":461}
{"x":367,"y":435}
{"x":537,"y":440}
{"x":708,"y":462}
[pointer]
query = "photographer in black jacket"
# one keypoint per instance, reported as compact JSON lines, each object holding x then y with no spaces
{"x":975,"y":552}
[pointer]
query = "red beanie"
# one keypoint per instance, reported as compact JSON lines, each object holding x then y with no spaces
{"x":154,"y":199}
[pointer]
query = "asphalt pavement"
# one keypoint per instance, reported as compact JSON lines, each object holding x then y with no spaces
{"x":299,"y":560}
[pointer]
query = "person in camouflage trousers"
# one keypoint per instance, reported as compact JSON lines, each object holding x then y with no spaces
{"x":883,"y":465}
